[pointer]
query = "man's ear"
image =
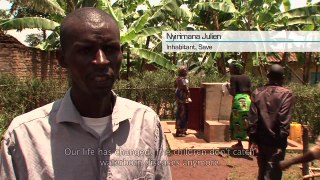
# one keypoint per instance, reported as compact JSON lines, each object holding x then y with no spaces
{"x":60,"y":57}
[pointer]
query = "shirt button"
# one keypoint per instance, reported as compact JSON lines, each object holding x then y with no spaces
{"x":104,"y":175}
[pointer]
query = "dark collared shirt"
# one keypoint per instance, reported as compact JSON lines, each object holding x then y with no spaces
{"x":270,"y":116}
{"x":315,"y":150}
{"x":52,"y":142}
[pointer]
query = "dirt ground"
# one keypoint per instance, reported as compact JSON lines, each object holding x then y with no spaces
{"x":212,"y":167}
{"x":215,"y":167}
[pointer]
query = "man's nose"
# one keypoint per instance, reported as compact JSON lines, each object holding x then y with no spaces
{"x":100,"y":58}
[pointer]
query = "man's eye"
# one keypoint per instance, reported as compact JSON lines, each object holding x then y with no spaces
{"x":109,"y":49}
{"x":86,"y":50}
{"x":106,"y":49}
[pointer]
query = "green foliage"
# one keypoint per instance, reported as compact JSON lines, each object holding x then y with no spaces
{"x":4,"y":14}
{"x":154,"y":57}
{"x":307,"y":105}
{"x":257,"y":81}
{"x":116,"y":14}
{"x":29,"y":22}
{"x":197,"y":80}
{"x":286,"y":5}
{"x":20,"y":96}
{"x":297,"y":19}
{"x":154,"y":89}
{"x":227,"y":7}
{"x":34,"y":39}
{"x":46,"y":6}
{"x":136,"y":27}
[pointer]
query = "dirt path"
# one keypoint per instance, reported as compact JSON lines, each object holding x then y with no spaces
{"x":212,"y":167}
{"x":215,"y":167}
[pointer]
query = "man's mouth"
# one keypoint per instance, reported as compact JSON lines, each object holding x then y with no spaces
{"x":100,"y":78}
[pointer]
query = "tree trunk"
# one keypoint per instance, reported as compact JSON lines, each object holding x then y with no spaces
{"x":248,"y":62}
{"x":221,"y":65}
{"x":295,"y":74}
{"x":221,"y":61}
{"x":143,"y":60}
{"x":284,"y":63}
{"x":128,"y":63}
{"x":174,"y":58}
{"x":317,"y":70}
{"x":13,"y":8}
{"x":71,"y":5}
{"x":305,"y":166}
{"x":307,"y":66}
{"x":284,"y":59}
{"x":260,"y":67}
{"x":246,"y":56}
{"x":216,"y":20}
{"x":44,"y":35}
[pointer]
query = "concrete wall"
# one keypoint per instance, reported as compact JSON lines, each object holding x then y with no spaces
{"x":217,"y":111}
{"x":217,"y":106}
{"x":26,"y":62}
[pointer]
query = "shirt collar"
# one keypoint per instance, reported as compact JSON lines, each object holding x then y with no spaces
{"x":69,"y":113}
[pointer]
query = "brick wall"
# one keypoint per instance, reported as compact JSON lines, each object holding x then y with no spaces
{"x":25,"y":62}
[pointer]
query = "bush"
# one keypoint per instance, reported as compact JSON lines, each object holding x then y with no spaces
{"x":154,"y":89}
{"x":20,"y":96}
{"x":307,"y":105}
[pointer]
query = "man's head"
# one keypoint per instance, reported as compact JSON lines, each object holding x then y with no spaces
{"x":276,"y":74}
{"x":90,"y":49}
{"x":183,"y":71}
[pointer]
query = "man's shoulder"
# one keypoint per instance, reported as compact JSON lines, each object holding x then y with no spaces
{"x":139,"y":115}
{"x":277,"y":89}
{"x":32,"y":116}
{"x":285,"y":92}
{"x":258,"y":89}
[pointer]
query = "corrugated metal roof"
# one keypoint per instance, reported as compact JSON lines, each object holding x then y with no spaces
{"x":277,"y":57}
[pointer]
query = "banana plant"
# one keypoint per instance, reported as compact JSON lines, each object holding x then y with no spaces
{"x":298,"y":19}
{"x":209,"y":16}
{"x":136,"y":34}
{"x":57,"y":9}
{"x":257,"y":15}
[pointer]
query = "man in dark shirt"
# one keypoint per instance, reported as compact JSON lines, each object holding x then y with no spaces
{"x":269,"y":122}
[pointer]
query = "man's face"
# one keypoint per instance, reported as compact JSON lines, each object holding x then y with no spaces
{"x":93,"y":56}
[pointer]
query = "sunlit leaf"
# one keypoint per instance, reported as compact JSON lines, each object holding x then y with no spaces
{"x":29,"y":22}
{"x":218,"y":6}
{"x":45,"y":6}
{"x":153,"y":57}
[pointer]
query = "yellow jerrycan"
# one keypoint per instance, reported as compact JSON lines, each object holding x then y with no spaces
{"x":295,"y":132}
